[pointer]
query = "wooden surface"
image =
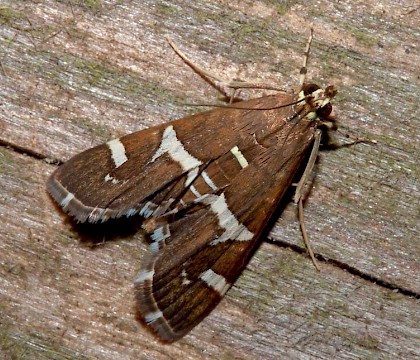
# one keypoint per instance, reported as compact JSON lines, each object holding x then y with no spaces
{"x":76,"y":73}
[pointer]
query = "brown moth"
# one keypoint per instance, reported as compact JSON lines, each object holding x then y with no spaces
{"x":206,"y":186}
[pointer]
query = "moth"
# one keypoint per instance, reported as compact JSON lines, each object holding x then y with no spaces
{"x":205,"y":186}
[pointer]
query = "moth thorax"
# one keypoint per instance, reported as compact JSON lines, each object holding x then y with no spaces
{"x":318,"y":101}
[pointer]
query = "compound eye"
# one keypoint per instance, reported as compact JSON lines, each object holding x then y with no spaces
{"x":324,"y":111}
{"x":309,"y":88}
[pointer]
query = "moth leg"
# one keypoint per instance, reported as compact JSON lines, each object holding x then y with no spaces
{"x":330,"y":128}
{"x":331,"y":141}
{"x":355,"y":139}
{"x":299,"y":194}
{"x":223,"y":86}
{"x":303,"y":69}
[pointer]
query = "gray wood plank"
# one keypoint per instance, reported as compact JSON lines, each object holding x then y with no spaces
{"x":62,"y":298}
{"x":76,"y":76}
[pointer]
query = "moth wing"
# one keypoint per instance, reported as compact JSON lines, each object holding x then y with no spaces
{"x":120,"y":177}
{"x":200,"y":255}
{"x":180,"y":284}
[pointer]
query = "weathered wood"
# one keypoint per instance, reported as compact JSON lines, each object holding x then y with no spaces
{"x":74,"y":76}
{"x":62,"y":298}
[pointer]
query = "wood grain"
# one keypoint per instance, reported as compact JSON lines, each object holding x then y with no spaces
{"x":77,"y":73}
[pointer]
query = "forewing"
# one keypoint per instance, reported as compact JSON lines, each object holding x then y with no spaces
{"x":196,"y":257}
{"x":120,"y":177}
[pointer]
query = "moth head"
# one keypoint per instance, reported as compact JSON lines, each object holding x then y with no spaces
{"x":318,"y":102}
